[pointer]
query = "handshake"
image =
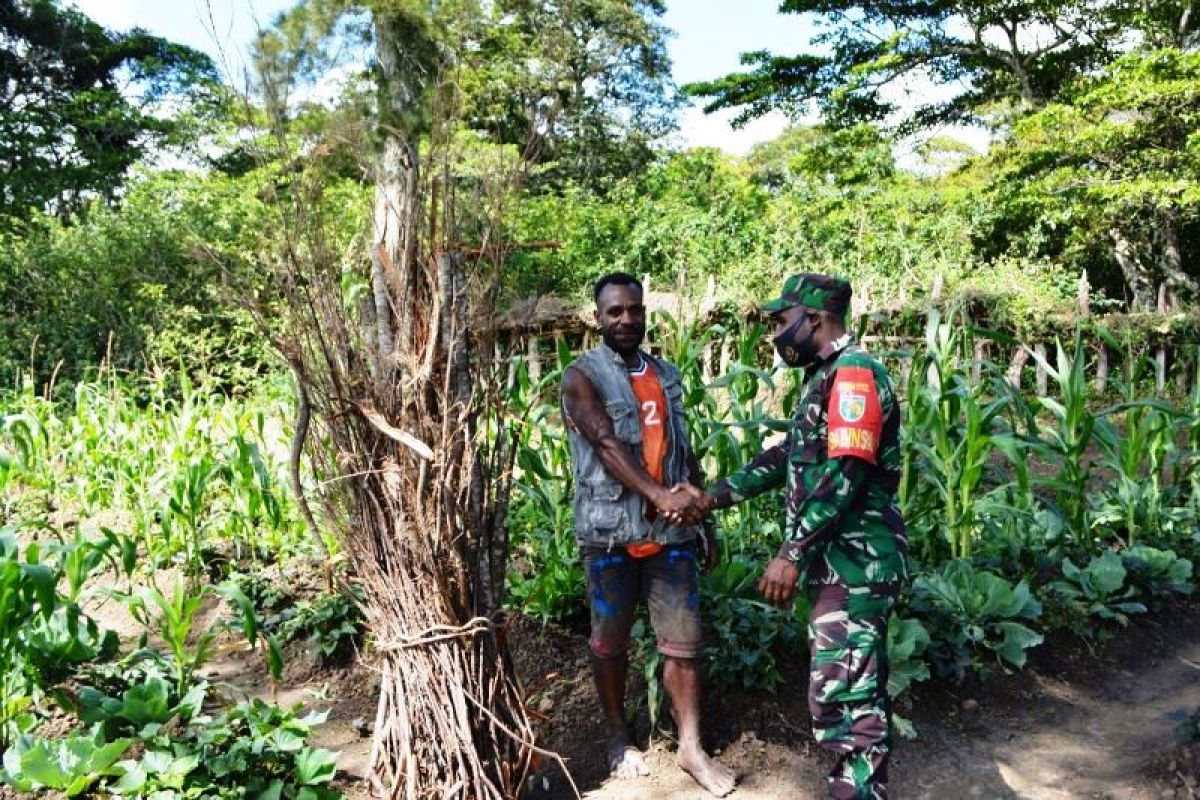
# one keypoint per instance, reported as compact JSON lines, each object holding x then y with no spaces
{"x":683,"y":505}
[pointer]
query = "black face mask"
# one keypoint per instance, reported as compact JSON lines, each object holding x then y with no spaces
{"x":796,"y":351}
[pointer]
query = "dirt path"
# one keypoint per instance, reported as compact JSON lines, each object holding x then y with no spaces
{"x":1068,"y":743}
{"x":238,"y":673}
{"x":1070,"y":726}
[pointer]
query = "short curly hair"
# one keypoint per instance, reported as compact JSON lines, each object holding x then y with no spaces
{"x":614,"y":279}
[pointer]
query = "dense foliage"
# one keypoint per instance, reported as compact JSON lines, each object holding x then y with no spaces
{"x":145,"y":422}
{"x":983,"y":56}
{"x":80,"y":105}
{"x":1025,"y":514}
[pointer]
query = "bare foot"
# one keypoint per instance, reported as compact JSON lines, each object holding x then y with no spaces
{"x":626,"y":761}
{"x":714,"y":776}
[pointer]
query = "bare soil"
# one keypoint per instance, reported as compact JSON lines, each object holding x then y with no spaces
{"x":1073,"y":724}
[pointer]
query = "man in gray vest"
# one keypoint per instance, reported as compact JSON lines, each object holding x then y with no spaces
{"x":638,"y":518}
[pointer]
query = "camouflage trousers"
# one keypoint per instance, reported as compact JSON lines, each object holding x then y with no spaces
{"x":847,"y":690}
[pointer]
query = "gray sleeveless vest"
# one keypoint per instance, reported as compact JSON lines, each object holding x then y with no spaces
{"x":606,"y":513}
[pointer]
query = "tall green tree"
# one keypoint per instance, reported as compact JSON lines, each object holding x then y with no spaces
{"x":581,"y":88}
{"x":80,"y":104}
{"x":977,"y":55}
{"x":1107,"y":179}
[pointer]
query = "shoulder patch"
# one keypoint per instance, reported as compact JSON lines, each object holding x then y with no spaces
{"x":854,"y":413}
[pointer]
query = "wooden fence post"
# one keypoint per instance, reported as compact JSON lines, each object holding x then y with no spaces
{"x":1019,"y":359}
{"x":511,"y":379}
{"x":533,"y":357}
{"x":1160,"y":355}
{"x":906,"y":363}
{"x":1042,"y":385}
{"x":726,"y":354}
{"x":1101,"y":383}
{"x":709,"y":301}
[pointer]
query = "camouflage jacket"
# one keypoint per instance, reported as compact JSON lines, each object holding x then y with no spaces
{"x":841,"y":465}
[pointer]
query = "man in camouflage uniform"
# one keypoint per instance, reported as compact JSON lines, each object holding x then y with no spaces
{"x":843,"y":532}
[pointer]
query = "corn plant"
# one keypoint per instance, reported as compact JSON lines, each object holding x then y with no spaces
{"x":255,"y":509}
{"x":43,"y":632}
{"x":27,"y":433}
{"x":953,"y":426}
{"x":1069,"y":437}
{"x":183,"y":465}
{"x":173,"y":618}
{"x":1186,"y":471}
{"x":1139,"y":499}
{"x":548,"y":577}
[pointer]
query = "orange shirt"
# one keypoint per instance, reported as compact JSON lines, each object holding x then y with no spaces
{"x":653,"y":404}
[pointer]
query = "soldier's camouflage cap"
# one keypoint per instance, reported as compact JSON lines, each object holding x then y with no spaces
{"x":808,"y":289}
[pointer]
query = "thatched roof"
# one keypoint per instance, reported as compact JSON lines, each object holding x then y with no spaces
{"x":551,"y":313}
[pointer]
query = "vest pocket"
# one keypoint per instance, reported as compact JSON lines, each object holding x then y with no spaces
{"x":607,"y":519}
{"x":603,"y":489}
{"x":606,"y":511}
{"x":625,"y":421}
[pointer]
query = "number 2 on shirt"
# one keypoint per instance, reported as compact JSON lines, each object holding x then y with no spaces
{"x":650,"y":414}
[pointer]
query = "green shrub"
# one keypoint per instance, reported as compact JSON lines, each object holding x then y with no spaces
{"x":329,"y":623}
{"x":1157,"y":573}
{"x":71,"y":765}
{"x":907,"y":642}
{"x":251,"y":750}
{"x":968,"y":612}
{"x":746,"y":633}
{"x":43,"y":631}
{"x":1097,"y":590}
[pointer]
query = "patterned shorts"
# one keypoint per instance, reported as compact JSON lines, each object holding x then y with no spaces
{"x":666,"y":582}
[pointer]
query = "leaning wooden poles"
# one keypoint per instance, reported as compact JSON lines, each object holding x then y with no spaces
{"x":395,"y":447}
{"x":396,"y":395}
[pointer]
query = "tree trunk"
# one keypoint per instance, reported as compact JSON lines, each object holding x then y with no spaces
{"x":451,"y":718}
{"x":414,"y":494}
{"x":1137,"y":277}
{"x":1180,"y":285}
{"x":407,"y":63}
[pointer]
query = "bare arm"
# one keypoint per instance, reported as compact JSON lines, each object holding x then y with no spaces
{"x":590,"y":418}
